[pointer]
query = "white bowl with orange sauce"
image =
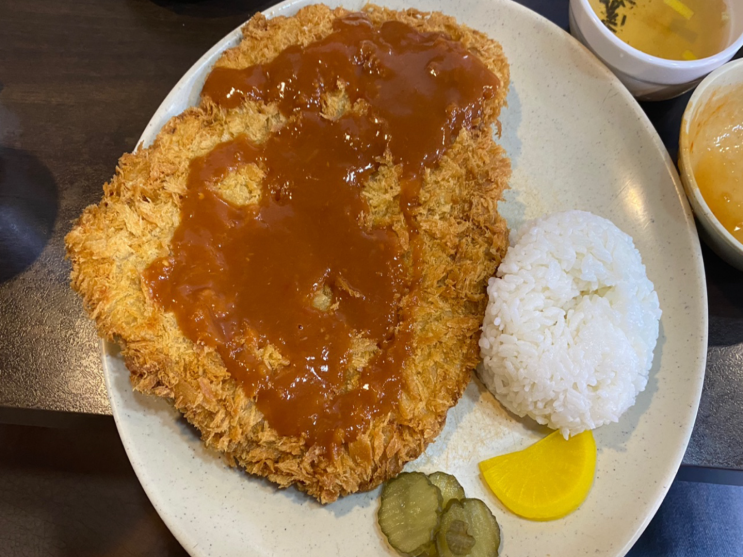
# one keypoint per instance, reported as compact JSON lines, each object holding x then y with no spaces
{"x":711,"y":160}
{"x":651,"y":77}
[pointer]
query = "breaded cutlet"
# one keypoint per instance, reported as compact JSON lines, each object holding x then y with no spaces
{"x":462,"y":240}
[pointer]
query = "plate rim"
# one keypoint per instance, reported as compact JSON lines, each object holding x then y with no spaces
{"x":165,"y":111}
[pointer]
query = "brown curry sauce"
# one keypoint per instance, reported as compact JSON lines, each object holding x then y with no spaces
{"x":241,"y":278}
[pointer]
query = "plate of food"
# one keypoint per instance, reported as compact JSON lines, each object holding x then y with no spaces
{"x":381,"y":281}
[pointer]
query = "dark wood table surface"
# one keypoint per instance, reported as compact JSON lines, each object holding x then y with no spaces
{"x":78,"y":83}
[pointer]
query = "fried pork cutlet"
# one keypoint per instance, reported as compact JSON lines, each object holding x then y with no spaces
{"x":299,"y":262}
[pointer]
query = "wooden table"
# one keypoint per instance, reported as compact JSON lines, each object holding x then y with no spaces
{"x":78,"y":83}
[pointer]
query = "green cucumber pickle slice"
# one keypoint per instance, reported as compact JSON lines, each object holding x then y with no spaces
{"x":448,"y":485}
{"x":468,"y":528}
{"x":410,"y":512}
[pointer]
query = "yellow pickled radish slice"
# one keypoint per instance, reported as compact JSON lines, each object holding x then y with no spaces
{"x":547,"y":480}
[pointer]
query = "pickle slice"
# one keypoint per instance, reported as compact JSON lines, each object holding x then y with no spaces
{"x":410,"y":512}
{"x":468,"y":528}
{"x":429,"y":551}
{"x":449,"y":487}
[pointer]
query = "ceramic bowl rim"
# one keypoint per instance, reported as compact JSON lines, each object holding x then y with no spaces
{"x":700,"y":64}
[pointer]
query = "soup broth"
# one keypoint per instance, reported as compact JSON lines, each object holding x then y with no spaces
{"x":671,"y":29}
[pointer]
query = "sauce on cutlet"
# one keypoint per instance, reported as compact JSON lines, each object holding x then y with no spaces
{"x":242,"y":280}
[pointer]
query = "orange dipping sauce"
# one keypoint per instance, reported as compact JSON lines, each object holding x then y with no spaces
{"x":716,"y":154}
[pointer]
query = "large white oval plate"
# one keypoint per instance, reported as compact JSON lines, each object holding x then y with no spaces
{"x":577,"y":140}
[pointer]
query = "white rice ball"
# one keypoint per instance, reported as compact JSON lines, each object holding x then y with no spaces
{"x":571,"y":324}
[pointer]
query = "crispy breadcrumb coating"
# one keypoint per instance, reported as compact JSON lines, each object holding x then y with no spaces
{"x":463,"y":240}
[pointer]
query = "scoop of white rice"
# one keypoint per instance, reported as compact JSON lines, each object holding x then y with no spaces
{"x":571,"y":324}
